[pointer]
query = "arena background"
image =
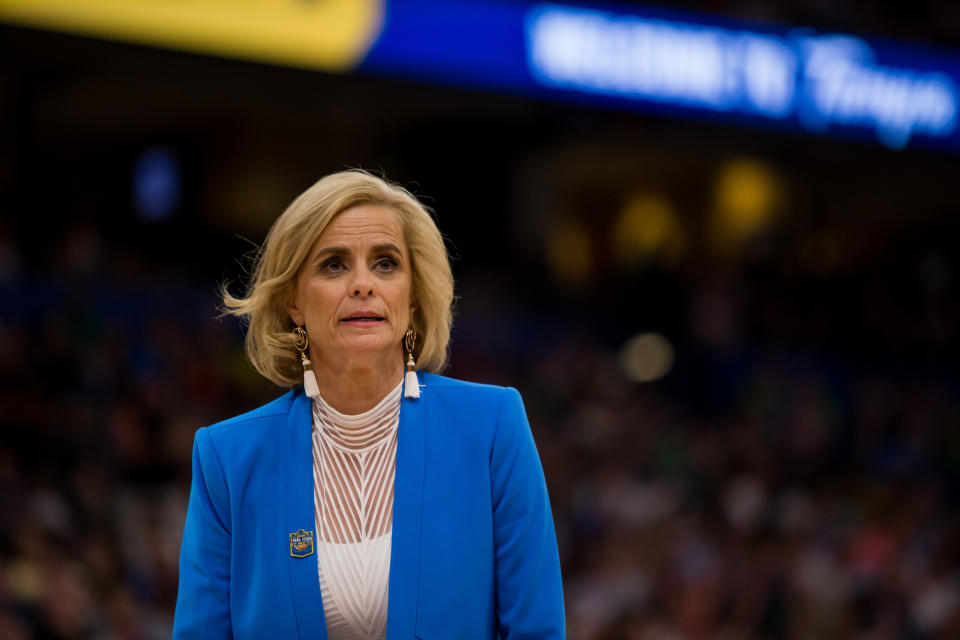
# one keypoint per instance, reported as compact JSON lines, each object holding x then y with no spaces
{"x":737,"y":345}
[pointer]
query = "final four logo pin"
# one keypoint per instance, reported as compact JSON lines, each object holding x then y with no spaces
{"x":301,"y":543}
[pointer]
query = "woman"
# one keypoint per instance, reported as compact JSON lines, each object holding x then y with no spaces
{"x":364,"y":503}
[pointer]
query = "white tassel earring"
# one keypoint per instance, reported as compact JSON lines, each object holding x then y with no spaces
{"x":309,"y":379}
{"x":411,"y":384}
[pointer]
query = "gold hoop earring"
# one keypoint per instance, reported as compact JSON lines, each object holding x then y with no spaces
{"x":302,"y":344}
{"x":411,"y":384}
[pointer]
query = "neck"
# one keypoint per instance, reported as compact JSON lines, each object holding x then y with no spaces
{"x":357,"y":385}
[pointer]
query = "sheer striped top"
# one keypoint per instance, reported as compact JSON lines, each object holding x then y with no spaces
{"x":354,"y":459}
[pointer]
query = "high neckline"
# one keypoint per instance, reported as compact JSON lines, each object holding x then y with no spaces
{"x":360,"y":432}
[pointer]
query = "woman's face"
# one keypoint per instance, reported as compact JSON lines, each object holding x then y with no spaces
{"x":354,"y":292}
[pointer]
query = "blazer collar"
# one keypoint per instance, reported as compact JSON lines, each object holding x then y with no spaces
{"x":299,"y":514}
{"x":407,"y":502}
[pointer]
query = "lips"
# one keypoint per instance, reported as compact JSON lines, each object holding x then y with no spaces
{"x":362,"y":317}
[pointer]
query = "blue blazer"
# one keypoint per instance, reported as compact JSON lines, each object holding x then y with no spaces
{"x":474,"y":552}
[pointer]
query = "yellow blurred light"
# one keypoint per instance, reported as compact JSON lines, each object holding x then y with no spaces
{"x":746,"y":199}
{"x":569,"y":253}
{"x":248,"y":198}
{"x":332,"y":34}
{"x":646,"y":357}
{"x":646,"y":226}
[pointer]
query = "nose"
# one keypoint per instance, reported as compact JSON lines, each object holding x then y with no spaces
{"x":362,"y":285}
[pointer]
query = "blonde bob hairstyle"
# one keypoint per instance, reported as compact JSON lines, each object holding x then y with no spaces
{"x":270,"y":341}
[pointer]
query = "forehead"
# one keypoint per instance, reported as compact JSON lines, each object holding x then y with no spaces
{"x":361,"y":225}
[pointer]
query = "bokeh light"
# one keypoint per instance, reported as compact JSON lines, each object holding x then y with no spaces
{"x":646,"y":357}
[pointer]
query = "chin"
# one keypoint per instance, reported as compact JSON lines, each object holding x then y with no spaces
{"x":366,"y":345}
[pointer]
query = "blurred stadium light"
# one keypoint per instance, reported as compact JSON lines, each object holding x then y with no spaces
{"x":746,"y":196}
{"x":569,"y":253}
{"x":647,"y":227}
{"x":157,"y":186}
{"x":646,"y":357}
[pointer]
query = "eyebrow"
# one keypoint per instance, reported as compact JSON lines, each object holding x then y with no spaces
{"x":342,"y":251}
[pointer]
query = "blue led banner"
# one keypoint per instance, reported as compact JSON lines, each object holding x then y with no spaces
{"x":642,"y":58}
{"x":676,"y":64}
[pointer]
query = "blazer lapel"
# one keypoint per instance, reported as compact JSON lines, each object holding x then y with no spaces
{"x":299,"y":514}
{"x":407,"y":498}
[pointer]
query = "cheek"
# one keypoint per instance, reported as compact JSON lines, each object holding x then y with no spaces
{"x":320,"y":299}
{"x":403,"y":298}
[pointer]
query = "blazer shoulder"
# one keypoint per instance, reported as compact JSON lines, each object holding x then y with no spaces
{"x":472,"y":396}
{"x":436,"y":381}
{"x":268,"y":412}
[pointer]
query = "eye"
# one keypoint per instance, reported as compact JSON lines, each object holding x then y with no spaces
{"x":332,"y":265}
{"x":385,"y":265}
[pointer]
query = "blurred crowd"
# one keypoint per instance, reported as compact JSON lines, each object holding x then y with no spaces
{"x":759,"y":490}
{"x":819,"y":505}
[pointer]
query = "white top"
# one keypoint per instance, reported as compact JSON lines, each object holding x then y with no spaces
{"x":354,"y":459}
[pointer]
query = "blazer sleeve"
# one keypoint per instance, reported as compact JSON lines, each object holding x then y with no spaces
{"x":203,"y":598}
{"x":529,"y":592}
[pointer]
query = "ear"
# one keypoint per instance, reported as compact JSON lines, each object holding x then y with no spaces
{"x":294,"y":312}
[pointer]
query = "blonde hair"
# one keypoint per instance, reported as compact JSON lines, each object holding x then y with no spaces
{"x":270,"y":341}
